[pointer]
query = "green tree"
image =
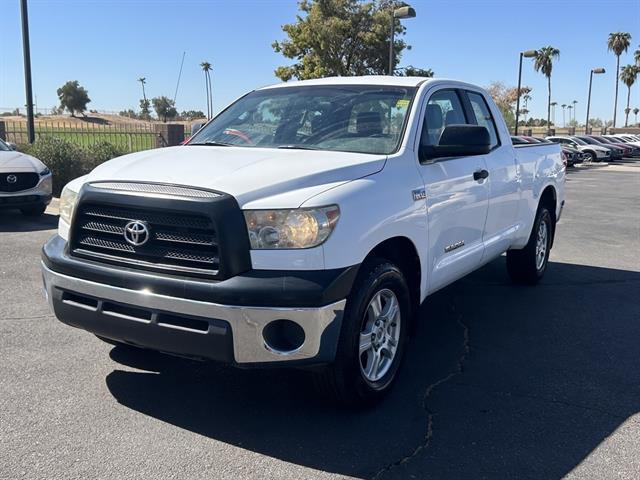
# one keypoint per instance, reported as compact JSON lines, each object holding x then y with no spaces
{"x":618,"y":43}
{"x":164,"y":107}
{"x":145,"y":109}
{"x":73,"y":97}
{"x":543,"y":62}
{"x":411,"y":71}
{"x":339,"y":38}
{"x":636,"y":57}
{"x":628,"y":75}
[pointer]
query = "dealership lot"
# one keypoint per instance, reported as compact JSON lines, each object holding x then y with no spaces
{"x":499,"y":381}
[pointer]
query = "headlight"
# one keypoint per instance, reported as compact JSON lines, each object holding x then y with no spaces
{"x":45,"y":172}
{"x":299,"y":228}
{"x":67,"y":204}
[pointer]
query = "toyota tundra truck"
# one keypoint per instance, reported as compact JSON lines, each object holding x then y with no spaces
{"x":303,"y":226}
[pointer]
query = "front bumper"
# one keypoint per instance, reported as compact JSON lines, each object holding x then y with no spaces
{"x":140,"y":312}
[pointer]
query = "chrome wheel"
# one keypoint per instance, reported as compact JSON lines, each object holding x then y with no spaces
{"x":380,"y":335}
{"x":541,"y":245}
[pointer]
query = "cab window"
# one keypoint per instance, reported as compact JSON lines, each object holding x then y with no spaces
{"x":483,"y":116}
{"x":444,"y":108}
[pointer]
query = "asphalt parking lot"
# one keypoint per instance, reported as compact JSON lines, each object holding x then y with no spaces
{"x":499,"y":381}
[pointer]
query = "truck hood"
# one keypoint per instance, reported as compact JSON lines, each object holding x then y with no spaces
{"x":256,"y":177}
{"x":19,"y":162}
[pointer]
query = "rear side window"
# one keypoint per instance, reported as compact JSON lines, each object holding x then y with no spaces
{"x":444,"y":108}
{"x":483,"y":116}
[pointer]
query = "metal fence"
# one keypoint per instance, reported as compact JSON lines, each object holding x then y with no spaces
{"x":129,"y":137}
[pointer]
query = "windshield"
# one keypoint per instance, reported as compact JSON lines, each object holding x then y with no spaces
{"x":588,"y":140}
{"x":579,"y":141}
{"x":4,"y":146}
{"x":349,"y":118}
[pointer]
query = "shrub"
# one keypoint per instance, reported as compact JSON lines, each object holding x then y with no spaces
{"x":66,"y":160}
{"x":100,"y":153}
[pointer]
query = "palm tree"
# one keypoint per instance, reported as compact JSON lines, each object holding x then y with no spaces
{"x":553,"y":111}
{"x":569,"y":107}
{"x":574,"y":109}
{"x":206,"y":68}
{"x":636,"y":56}
{"x":543,"y":62}
{"x":142,"y":81}
{"x":628,"y":75}
{"x":635,"y":112}
{"x":618,"y":43}
{"x":564,"y":122}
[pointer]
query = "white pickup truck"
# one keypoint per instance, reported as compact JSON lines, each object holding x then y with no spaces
{"x":303,"y":226}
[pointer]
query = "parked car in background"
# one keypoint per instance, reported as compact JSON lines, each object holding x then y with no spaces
{"x":25,"y":182}
{"x":594,"y":153}
{"x":308,"y":236}
{"x":626,"y":139}
{"x":629,"y":149}
{"x":573,"y":155}
{"x":616,"y":152}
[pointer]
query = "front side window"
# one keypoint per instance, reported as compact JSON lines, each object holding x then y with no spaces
{"x":444,"y":108}
{"x":483,"y":116}
{"x":349,"y":118}
{"x":4,"y":147}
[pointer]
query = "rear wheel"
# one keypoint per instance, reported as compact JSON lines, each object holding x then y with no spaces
{"x":373,"y":337}
{"x":591,"y":157}
{"x":527,"y":266}
{"x":33,"y":211}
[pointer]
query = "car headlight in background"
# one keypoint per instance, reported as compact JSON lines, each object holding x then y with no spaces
{"x":297,"y":228}
{"x":45,"y":172}
{"x":67,"y":204}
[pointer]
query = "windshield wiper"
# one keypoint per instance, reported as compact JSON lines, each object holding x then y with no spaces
{"x":212,"y":143}
{"x":297,"y":147}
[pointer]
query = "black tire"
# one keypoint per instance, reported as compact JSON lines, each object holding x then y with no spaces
{"x":591,"y":157}
{"x":344,"y":381}
{"x":522,"y":265}
{"x":33,"y":211}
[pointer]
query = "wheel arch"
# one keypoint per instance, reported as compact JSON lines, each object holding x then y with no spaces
{"x":402,"y":251}
{"x":549,"y":198}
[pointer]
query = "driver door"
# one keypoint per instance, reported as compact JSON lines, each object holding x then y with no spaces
{"x":457,"y":204}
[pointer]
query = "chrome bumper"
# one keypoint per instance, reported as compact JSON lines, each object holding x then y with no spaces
{"x":246,"y":323}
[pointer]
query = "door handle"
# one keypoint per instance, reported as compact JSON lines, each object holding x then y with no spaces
{"x":480,"y":175}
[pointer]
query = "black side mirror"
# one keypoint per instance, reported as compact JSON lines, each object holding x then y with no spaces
{"x":12,"y":146}
{"x":458,"y":141}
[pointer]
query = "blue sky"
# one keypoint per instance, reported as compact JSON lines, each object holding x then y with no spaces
{"x":108,"y":44}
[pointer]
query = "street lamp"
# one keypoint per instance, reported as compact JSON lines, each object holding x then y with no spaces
{"x":528,"y":54}
{"x":399,"y":13}
{"x":596,"y":71}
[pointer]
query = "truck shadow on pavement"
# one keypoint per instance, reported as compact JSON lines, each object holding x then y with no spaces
{"x":499,"y":382}
{"x":14,"y":221}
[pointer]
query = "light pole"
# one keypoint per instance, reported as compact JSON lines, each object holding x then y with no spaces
{"x":399,"y":13}
{"x":596,"y":71}
{"x":574,"y":109}
{"x":26,"y":51}
{"x":528,"y":54}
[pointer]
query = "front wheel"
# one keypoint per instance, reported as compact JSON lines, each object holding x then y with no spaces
{"x":527,"y":266}
{"x":373,"y":337}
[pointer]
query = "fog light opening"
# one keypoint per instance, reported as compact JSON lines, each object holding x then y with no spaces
{"x":283,"y":336}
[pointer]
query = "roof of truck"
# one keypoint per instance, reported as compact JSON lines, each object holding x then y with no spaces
{"x":363,"y":80}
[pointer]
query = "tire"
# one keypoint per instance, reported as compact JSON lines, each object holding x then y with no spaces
{"x":34,"y":211}
{"x":527,"y":266}
{"x":351,"y":379}
{"x":591,"y":157}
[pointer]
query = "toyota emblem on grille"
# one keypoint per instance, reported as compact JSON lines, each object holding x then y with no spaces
{"x":12,"y":179}
{"x":136,"y":233}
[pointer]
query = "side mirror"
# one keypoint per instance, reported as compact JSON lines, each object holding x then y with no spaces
{"x":458,"y":141}
{"x":12,"y":146}
{"x":195,"y":127}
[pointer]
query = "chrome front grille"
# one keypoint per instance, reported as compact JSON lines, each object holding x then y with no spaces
{"x":178,"y":242}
